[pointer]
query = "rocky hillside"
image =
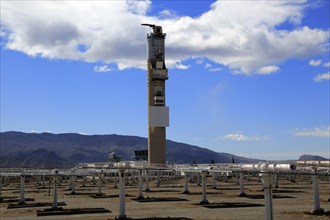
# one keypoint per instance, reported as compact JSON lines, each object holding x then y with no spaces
{"x":311,"y":157}
{"x":46,"y":150}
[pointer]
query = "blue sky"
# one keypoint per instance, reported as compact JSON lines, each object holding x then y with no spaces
{"x":245,"y":77}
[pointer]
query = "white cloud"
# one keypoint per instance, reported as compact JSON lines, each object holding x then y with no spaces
{"x":244,"y":37}
{"x":210,"y":68}
{"x":207,"y":66}
{"x":167,"y":13}
{"x":2,"y":33}
{"x":199,"y":61}
{"x":326,"y":64}
{"x":314,"y":132}
{"x":315,"y":62}
{"x":103,"y":68}
{"x":214,"y":69}
{"x":181,"y":66}
{"x":268,"y":70}
{"x":241,"y":137}
{"x":138,"y":7}
{"x":321,"y":77}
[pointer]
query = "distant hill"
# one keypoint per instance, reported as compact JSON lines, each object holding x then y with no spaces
{"x":311,"y":157}
{"x":47,"y":150}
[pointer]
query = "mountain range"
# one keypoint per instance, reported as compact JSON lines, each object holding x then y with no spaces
{"x":47,"y":150}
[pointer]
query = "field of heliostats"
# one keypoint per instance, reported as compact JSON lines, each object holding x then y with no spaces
{"x":169,"y":195}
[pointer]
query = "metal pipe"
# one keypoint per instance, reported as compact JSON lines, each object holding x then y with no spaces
{"x":266,"y":167}
{"x":325,"y":163}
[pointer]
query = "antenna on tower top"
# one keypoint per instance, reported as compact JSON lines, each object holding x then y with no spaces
{"x":158,"y":30}
{"x":150,"y":25}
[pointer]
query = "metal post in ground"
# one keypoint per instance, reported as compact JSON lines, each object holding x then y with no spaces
{"x":99,"y":192}
{"x":317,"y":208}
{"x":121,"y":176}
{"x":147,"y":181}
{"x":84,"y":181}
{"x":140,"y":196}
{"x":6,"y":181}
{"x":213,"y":181}
{"x":103,"y":177}
{"x":93,"y":179}
{"x":49,"y":181}
{"x":267,"y":182}
{"x":186,"y":191}
{"x":204,"y":200}
{"x":158,"y":179}
{"x":55,"y":204}
{"x":38,"y":180}
{"x":198,"y":179}
{"x":73,"y":185}
{"x":276,"y":181}
{"x":1,"y":199}
{"x":22,"y":199}
{"x":249,"y":177}
{"x":241,"y":180}
{"x":43,"y":181}
{"x":59,"y":180}
{"x":116,"y":177}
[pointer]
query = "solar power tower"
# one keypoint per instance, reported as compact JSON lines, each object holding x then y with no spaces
{"x":158,"y":113}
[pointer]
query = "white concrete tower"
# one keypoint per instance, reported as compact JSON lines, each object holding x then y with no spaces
{"x":158,"y":113}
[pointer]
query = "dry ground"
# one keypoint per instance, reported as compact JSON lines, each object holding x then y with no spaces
{"x":293,"y":200}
